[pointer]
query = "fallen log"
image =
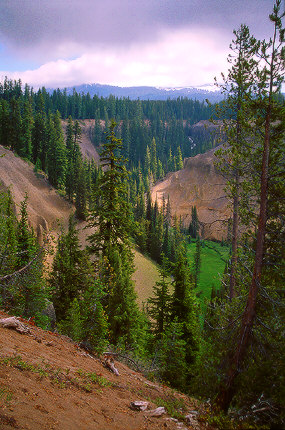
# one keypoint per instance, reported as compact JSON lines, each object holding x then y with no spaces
{"x":14,"y":323}
{"x":158,"y":412}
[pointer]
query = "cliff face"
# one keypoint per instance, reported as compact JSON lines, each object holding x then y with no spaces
{"x":197,"y":184}
{"x":45,"y":206}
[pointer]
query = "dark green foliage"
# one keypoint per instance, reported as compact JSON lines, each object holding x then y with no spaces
{"x":148,"y":128}
{"x":172,"y":356}
{"x":77,"y":293}
{"x":22,"y":284}
{"x":197,"y":262}
{"x":194,"y":224}
{"x":71,"y":273}
{"x":8,"y":235}
{"x":71,"y":325}
{"x":185,"y":308}
{"x":121,"y":307}
{"x":56,"y":155}
{"x":112,"y":220}
{"x":174,"y":311}
{"x":81,"y":187}
{"x":27,"y":128}
{"x":26,"y":242}
{"x":94,"y":319}
{"x":39,"y":135}
{"x":159,"y":306}
{"x":111,"y":217}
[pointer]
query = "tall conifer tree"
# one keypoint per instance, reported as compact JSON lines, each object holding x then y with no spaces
{"x":111,"y":218}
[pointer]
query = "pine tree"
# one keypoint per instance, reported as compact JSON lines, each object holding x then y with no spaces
{"x":94,"y":319}
{"x":29,"y":293}
{"x":39,"y":135}
{"x":56,"y":157}
{"x":112,"y":220}
{"x":239,"y":87}
{"x":158,"y":306}
{"x":269,"y":80}
{"x":81,"y":190}
{"x":179,"y":159}
{"x":8,"y":226}
{"x":4,"y":123}
{"x":184,"y":308}
{"x":122,"y":309}
{"x":153,"y":159}
{"x":245,"y":351}
{"x":27,"y":127}
{"x":26,"y":244}
{"x":197,"y":262}
{"x":172,"y":356}
{"x":194,"y":224}
{"x":71,"y":271}
{"x":15,"y":124}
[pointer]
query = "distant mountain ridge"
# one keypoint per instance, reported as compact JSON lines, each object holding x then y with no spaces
{"x":200,"y":93}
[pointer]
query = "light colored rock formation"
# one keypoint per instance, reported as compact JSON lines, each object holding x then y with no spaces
{"x":197,"y":184}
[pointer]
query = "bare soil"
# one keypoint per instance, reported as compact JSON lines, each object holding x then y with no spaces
{"x":45,"y":206}
{"x":87,"y":148}
{"x":46,"y":383}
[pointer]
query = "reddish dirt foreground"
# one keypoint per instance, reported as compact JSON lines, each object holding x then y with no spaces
{"x":48,"y":382}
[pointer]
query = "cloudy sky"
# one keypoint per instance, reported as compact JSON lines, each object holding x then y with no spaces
{"x":60,"y":43}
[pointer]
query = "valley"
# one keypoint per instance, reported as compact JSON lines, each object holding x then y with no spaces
{"x":149,"y":206}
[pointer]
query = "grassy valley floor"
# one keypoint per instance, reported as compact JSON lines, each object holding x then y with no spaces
{"x":214,"y":256}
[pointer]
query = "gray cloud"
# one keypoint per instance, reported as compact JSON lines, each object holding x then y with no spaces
{"x":39,"y":27}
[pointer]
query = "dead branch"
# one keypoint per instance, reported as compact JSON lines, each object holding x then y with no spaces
{"x":17,"y":272}
{"x":109,"y":362}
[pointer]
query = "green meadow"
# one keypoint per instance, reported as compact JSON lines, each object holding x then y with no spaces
{"x":213,"y":260}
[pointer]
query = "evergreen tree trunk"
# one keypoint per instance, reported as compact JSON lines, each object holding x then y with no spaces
{"x":234,"y":258}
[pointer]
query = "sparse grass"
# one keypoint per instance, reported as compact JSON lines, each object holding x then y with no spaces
{"x":145,"y":276}
{"x":6,"y":395}
{"x":83,"y":380}
{"x":213,"y":261}
{"x":92,"y":377}
{"x":17,"y":362}
{"x":174,"y":406}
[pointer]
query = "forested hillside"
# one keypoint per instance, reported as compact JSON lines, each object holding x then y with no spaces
{"x":228,"y":349}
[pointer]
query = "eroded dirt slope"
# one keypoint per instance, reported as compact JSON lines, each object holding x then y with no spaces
{"x":48,"y":382}
{"x":87,"y":148}
{"x":45,"y":206}
{"x":197,"y":184}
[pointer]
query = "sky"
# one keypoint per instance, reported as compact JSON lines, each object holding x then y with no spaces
{"x":162,"y":43}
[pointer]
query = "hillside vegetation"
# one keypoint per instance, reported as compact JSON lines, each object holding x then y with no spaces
{"x":48,"y":211}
